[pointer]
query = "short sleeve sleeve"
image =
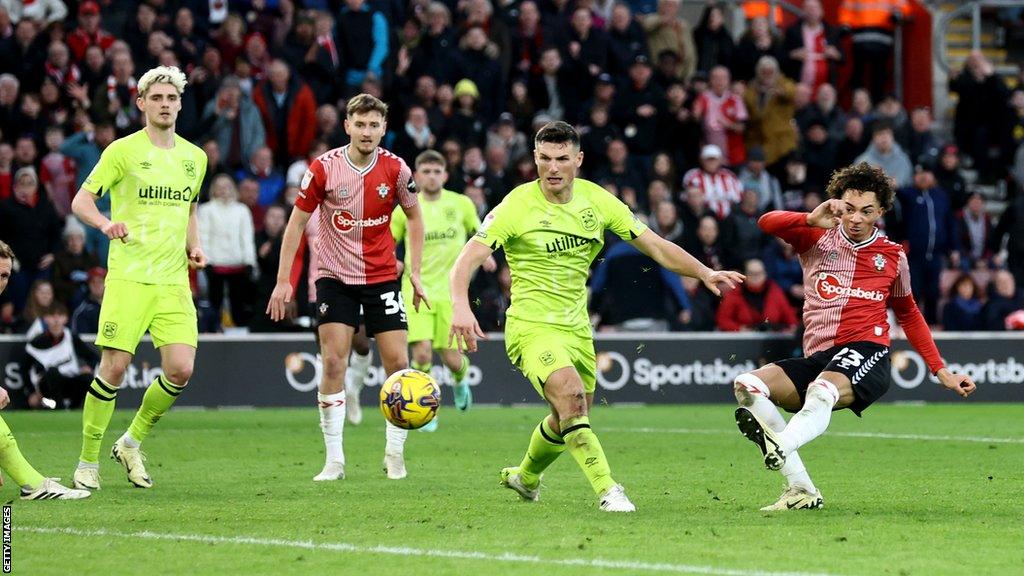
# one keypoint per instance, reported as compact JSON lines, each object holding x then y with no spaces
{"x":498,"y":227}
{"x":618,"y":217}
{"x":107,"y":172}
{"x":312,"y":189}
{"x":901,"y":284}
{"x":406,"y":186}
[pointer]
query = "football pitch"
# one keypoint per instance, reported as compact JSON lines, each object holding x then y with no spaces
{"x":909,"y":489}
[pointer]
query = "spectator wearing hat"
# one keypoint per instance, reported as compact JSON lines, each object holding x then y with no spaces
{"x":626,"y":39}
{"x":362,"y":34}
{"x":723,"y":116}
{"x":86,"y":317}
{"x":638,"y":107}
{"x":754,"y":176}
{"x":288,"y":111}
{"x":71,"y":265}
{"x":88,"y":33}
{"x":666,"y":30}
{"x":928,"y":225}
{"x":30,"y":225}
{"x":720,"y":186}
{"x":465,"y":125}
{"x":885,"y":153}
{"x":770,"y":105}
{"x":603,"y":94}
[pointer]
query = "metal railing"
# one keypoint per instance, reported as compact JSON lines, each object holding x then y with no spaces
{"x":974,"y":9}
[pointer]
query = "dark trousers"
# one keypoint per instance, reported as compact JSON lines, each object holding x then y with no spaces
{"x":240,"y":291}
{"x":871,"y":59}
{"x":924,"y":281}
{"x":68,"y":391}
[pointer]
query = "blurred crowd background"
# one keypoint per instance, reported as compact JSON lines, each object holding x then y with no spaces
{"x":698,"y":127}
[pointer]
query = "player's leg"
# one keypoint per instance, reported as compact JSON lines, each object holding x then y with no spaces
{"x":127,"y":310}
{"x":422,"y":360}
{"x":394,"y":356}
{"x":335,"y":343}
{"x":758,"y":392}
{"x":358,"y":365}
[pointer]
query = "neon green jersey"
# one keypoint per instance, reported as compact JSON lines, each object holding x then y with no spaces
{"x":549,"y":248}
{"x":447,"y":222}
{"x":152,"y":191}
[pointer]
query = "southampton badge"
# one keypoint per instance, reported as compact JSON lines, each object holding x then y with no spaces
{"x":383,"y":190}
{"x":588,"y":219}
{"x":190,"y":168}
{"x":879,"y":262}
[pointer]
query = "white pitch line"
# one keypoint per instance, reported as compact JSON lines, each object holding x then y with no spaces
{"x":879,"y":435}
{"x":510,"y":557}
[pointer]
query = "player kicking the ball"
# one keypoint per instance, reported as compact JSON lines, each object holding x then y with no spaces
{"x":551,"y":230}
{"x":448,"y":219}
{"x":356,"y":188}
{"x":153,"y":178}
{"x":851,"y":273}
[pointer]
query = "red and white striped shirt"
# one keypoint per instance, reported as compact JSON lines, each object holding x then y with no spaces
{"x":354,"y":244}
{"x":849,"y":285}
{"x":721,"y":189}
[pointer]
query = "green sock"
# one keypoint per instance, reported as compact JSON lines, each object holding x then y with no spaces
{"x":586,"y":449}
{"x":460,"y":374}
{"x":14,"y":463}
{"x":96,"y":413}
{"x":159,"y":397}
{"x":545,"y":447}
{"x":425,"y":368}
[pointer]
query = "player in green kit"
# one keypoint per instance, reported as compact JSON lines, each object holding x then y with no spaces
{"x":551,"y":230}
{"x":153,"y":178}
{"x":449,"y":218}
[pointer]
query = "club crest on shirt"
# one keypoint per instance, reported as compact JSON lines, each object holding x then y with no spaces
{"x":343,"y":192}
{"x":323,"y":308}
{"x":190,"y":168}
{"x":383,"y":190}
{"x":450,"y":214}
{"x":589,"y":219}
{"x":879,"y":261}
{"x":833,"y":255}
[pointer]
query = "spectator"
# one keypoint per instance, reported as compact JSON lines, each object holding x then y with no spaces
{"x":57,"y":364}
{"x":414,"y":136}
{"x":714,"y":43}
{"x":769,"y":102}
{"x":261,"y":169}
{"x":235,"y":124}
{"x":189,"y":44}
{"x":678,"y":131}
{"x":86,"y":317}
{"x":226,"y":228}
{"x":268,"y":252}
{"x":505,"y":135}
{"x":288,"y":110}
{"x":137,"y":33}
{"x":702,"y":306}
{"x":30,"y":225}
{"x":720,"y":186}
{"x":639,"y":105}
{"x":740,"y":230}
{"x":71,"y":266}
{"x":1003,"y":300}
{"x":920,"y":141}
{"x":114,"y":101}
{"x":853,"y":142}
{"x":1014,"y":134}
{"x":363,"y":34}
{"x":723,"y":115}
{"x":665,"y":30}
{"x":474,"y":172}
{"x":756,"y":43}
{"x":40,"y":299}
{"x":552,"y":90}
{"x":621,"y":170}
{"x":587,"y":48}
{"x":23,"y":54}
{"x":293,"y":177}
{"x":886,"y":154}
{"x":890,"y":110}
{"x":872,"y":23}
{"x":862,"y":107}
{"x":754,"y":177}
{"x":229,"y":39}
{"x":811,"y":46}
{"x":45,"y":12}
{"x":481,"y":65}
{"x":974,"y":227}
{"x":9,"y":87}
{"x":59,"y":67}
{"x":627,"y":40}
{"x":710,"y":250}
{"x":6,"y":172}
{"x":466,"y":125}
{"x":929,"y":227}
{"x":950,"y":176}
{"x":328,"y":127}
{"x":88,"y":33}
{"x":963,"y":311}
{"x":1008,"y":239}
{"x":436,"y":54}
{"x":84,"y":148}
{"x":667,"y":224}
{"x":782,"y":264}
{"x":819,"y":151}
{"x":756,"y":305}
{"x":826,"y":111}
{"x":58,"y":173}
{"x":499,"y":168}
{"x":980,"y":112}
{"x":632,"y":293}
{"x":480,"y":14}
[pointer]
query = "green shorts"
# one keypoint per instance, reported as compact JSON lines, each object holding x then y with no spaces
{"x":540,"y":349}
{"x":433,"y":324}
{"x":129,"y":309}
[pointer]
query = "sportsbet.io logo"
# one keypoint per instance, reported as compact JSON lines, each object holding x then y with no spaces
{"x":829,"y":287}
{"x":343,"y":221}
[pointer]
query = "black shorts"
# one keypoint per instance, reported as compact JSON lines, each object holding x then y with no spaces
{"x":382,"y":305}
{"x":866,"y":364}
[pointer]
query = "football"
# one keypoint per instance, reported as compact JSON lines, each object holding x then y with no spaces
{"x":409,"y":399}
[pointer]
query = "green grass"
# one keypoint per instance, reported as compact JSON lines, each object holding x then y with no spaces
{"x":893,"y":506}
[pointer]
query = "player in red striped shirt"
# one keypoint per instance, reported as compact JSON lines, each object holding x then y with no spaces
{"x":356,"y":188}
{"x":852,"y":274}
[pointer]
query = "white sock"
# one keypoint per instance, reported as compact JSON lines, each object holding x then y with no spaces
{"x":358,"y":365}
{"x":395,"y":438}
{"x":813,"y":419}
{"x":332,"y":423}
{"x":756,"y":400}
{"x":94,"y":465}
{"x":129,"y":441}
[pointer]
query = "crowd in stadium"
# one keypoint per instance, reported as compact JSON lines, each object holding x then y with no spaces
{"x":700,"y":130}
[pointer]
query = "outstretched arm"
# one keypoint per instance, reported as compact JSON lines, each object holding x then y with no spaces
{"x":917,"y":331}
{"x":682,"y":262}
